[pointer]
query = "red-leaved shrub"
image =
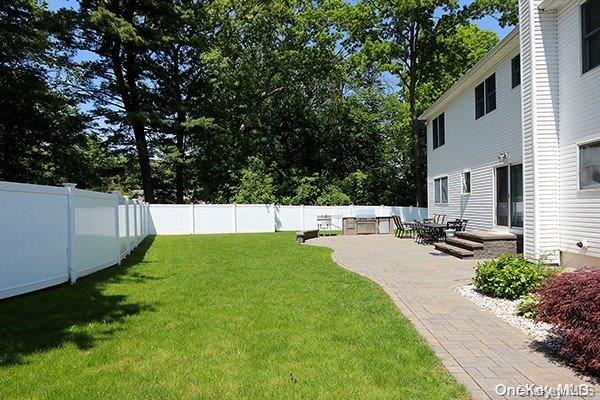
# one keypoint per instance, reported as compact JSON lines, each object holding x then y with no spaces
{"x":572,"y":303}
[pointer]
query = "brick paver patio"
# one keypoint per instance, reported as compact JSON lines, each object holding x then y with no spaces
{"x":479,"y":349}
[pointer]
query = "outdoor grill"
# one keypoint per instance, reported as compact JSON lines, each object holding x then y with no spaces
{"x":366,"y":223}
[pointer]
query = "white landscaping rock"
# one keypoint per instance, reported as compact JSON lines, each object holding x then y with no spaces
{"x":506,"y":310}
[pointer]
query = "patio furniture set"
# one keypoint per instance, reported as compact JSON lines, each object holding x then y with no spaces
{"x":430,"y":230}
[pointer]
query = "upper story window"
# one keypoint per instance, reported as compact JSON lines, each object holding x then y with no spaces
{"x":589,"y":166}
{"x":590,"y":13}
{"x":516,"y":71}
{"x":441,"y":190}
{"x":439,"y":131}
{"x":485,"y":97}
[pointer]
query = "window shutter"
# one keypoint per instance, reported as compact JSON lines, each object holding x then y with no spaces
{"x":490,"y":94}
{"x":479,"y":101}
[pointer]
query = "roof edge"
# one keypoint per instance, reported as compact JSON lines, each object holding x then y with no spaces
{"x":479,"y":69}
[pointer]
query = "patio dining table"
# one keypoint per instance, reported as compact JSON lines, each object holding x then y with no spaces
{"x":439,"y":228}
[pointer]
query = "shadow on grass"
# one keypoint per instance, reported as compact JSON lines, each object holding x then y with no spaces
{"x":81,"y":314}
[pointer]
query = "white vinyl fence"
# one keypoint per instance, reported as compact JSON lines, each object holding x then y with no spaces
{"x":236,"y":218}
{"x":50,"y":235}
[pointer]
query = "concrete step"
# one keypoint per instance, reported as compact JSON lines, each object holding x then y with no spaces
{"x":453,"y":250}
{"x":486,"y":236}
{"x":465,"y":244}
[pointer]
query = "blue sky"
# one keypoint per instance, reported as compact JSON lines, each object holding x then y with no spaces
{"x":485,"y":23}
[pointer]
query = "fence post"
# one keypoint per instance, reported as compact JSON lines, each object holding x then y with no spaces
{"x":273,"y":218}
{"x":234,"y":208}
{"x":192,"y":219}
{"x":117,"y":230}
{"x":71,"y":232}
{"x":135,"y":225}
{"x":142,"y":205}
{"x":303,"y":217}
{"x":127,"y":246}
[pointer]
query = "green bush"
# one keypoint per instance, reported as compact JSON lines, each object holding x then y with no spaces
{"x":529,"y":305}
{"x":511,"y":276}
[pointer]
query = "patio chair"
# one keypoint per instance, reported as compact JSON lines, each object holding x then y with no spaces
{"x":403,"y":229}
{"x":439,"y":219}
{"x":463,"y":225}
{"x":429,"y":220}
{"x":425,"y":234}
{"x":456,"y":225}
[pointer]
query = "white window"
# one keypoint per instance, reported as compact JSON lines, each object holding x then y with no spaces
{"x":441,"y":190}
{"x":589,"y":166}
{"x":466,"y":182}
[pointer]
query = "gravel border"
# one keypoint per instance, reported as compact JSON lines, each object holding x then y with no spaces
{"x":506,"y":310}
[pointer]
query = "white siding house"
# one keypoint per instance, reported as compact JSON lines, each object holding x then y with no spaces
{"x":548,"y":127}
{"x":472,"y":145}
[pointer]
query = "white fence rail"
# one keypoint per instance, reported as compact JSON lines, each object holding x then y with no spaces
{"x":50,"y":235}
{"x":256,"y":218}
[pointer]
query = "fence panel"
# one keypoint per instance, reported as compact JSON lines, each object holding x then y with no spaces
{"x":255,"y":218}
{"x":123,"y":226}
{"x":409,"y":214}
{"x":94,"y":236}
{"x":311,"y":213}
{"x":171,"y":219}
{"x":33,"y":237}
{"x":214,"y":218}
{"x":231,"y":218}
{"x":138,"y":223}
{"x":289,"y":218}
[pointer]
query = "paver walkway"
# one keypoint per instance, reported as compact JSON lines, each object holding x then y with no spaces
{"x":479,"y":349}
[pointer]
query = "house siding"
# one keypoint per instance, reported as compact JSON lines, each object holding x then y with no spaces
{"x":540,"y":130}
{"x":579,"y":121}
{"x":474,"y":145}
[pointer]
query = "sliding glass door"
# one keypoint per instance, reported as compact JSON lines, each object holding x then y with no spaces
{"x":509,"y":196}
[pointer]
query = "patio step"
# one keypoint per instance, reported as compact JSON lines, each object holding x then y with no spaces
{"x":454,"y":250}
{"x":482,"y":236}
{"x":465,"y":244}
{"x":482,"y":244}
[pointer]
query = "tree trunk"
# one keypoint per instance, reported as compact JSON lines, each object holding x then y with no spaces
{"x":416,"y":139}
{"x":180,"y":163}
{"x":141,"y":145}
{"x":125,"y":61}
{"x":127,"y":88}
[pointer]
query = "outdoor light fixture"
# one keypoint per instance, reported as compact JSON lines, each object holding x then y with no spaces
{"x":503,"y":157}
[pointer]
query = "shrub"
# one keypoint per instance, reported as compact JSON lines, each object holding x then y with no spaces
{"x":510,"y":276}
{"x":529,"y":305}
{"x":572,"y":303}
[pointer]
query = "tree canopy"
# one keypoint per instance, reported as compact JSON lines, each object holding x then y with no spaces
{"x":283,"y":101}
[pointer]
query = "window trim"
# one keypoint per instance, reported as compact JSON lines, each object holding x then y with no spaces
{"x":515,"y":82}
{"x":585,"y":68}
{"x":435,"y":185}
{"x":462,"y":183}
{"x":578,"y":149}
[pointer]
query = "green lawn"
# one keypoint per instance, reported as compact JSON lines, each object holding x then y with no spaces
{"x":211,"y":317}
